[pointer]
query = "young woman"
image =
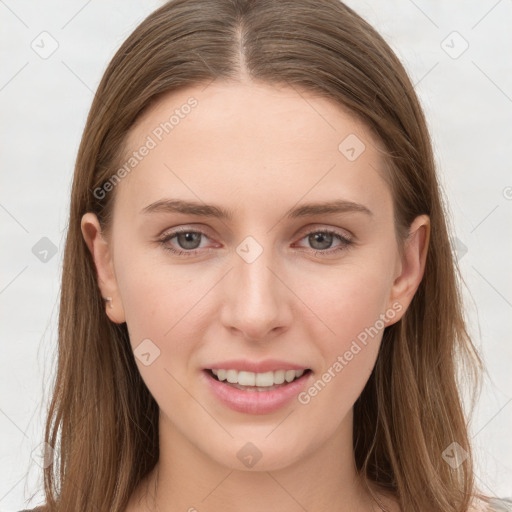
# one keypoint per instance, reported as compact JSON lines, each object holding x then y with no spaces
{"x":259,"y":306}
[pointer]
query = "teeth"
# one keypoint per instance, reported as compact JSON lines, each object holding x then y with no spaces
{"x":266,"y":379}
{"x":289,"y":375}
{"x":279,"y":376}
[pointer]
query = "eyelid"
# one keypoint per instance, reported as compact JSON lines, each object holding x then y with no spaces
{"x":345,"y":233}
{"x":189,"y":228}
{"x":301,"y":233}
{"x":169,"y":234}
{"x":346,"y":240}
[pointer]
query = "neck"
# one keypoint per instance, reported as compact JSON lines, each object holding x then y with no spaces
{"x":319,"y":479}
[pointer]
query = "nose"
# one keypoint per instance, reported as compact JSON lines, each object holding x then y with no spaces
{"x":256,"y":300}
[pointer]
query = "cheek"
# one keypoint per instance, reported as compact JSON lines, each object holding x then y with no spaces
{"x":159,"y":304}
{"x":353,"y":306}
{"x":349,"y":299}
{"x":158,"y":300}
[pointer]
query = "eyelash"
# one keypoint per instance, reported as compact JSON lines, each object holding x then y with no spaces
{"x":345,"y":242}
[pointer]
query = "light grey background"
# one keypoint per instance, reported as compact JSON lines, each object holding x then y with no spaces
{"x":43,"y":106}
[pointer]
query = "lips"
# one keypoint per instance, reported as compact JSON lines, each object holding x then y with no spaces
{"x":256,"y":399}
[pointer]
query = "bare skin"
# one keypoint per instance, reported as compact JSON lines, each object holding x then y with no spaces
{"x":258,"y":151}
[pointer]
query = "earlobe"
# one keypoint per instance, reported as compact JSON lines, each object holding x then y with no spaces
{"x":412,"y":265}
{"x":101,"y":255}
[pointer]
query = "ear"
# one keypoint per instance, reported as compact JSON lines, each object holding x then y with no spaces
{"x":101,"y":254}
{"x":410,"y":267}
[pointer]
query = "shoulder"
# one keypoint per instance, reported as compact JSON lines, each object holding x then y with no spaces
{"x":500,"y":505}
{"x":493,"y":505}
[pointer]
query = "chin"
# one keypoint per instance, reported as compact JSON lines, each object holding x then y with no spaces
{"x":258,"y":453}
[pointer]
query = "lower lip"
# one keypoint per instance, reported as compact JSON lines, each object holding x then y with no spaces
{"x":256,"y":402}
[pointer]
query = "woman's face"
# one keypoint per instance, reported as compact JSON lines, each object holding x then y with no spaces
{"x":262,"y":277}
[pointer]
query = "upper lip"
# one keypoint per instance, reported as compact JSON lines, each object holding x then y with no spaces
{"x":268,"y":365}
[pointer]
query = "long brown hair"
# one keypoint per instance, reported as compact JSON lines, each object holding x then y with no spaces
{"x":102,"y":420}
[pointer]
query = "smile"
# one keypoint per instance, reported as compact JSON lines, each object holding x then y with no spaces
{"x":252,"y":379}
{"x":256,"y":393}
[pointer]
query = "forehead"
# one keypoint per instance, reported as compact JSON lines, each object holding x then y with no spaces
{"x":235,"y":141}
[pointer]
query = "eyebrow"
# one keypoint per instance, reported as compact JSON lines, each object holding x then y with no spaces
{"x":211,"y":210}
